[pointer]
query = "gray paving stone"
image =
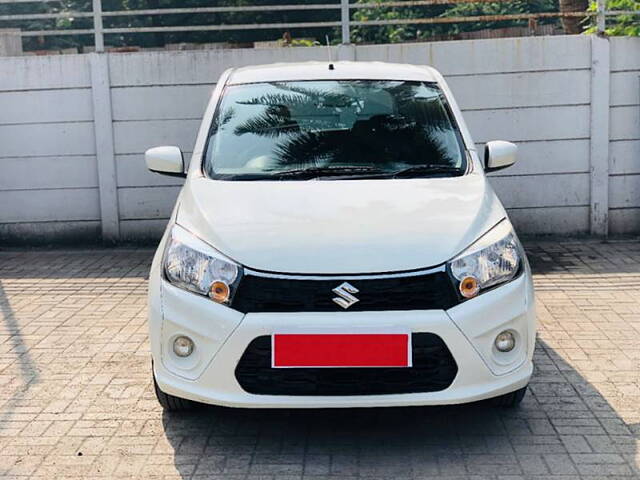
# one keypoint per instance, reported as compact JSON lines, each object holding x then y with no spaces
{"x":532,"y":464}
{"x":576,"y":443}
{"x":74,"y":378}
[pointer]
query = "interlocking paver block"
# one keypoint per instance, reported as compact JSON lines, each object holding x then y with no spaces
{"x":76,"y":398}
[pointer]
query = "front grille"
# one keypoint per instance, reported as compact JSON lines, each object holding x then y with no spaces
{"x":426,"y":291}
{"x":433,"y":370}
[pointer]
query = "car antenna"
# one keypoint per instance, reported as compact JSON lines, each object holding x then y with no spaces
{"x":331,"y":67}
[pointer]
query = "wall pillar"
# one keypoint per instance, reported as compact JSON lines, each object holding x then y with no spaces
{"x":599,"y":147}
{"x":105,"y":155}
{"x":345,"y":20}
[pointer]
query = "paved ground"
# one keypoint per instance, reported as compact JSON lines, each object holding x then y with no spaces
{"x":76,"y":398}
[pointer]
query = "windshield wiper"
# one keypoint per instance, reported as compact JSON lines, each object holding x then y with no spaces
{"x":345,"y":173}
{"x":430,"y":169}
{"x":317,"y":172}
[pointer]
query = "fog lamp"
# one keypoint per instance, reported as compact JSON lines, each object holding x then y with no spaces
{"x":183,"y":346}
{"x":505,"y":341}
{"x":469,"y":287}
{"x":219,"y":292}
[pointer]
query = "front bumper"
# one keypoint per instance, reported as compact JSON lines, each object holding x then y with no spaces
{"x":221,"y":336}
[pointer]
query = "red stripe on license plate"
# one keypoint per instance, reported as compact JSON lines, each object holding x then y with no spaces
{"x":341,"y":350}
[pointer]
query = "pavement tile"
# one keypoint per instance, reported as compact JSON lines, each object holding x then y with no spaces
{"x":76,"y":399}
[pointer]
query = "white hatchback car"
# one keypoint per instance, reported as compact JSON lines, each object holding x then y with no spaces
{"x":337,"y":244}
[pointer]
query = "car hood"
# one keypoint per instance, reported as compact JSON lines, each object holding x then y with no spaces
{"x":340,"y":226}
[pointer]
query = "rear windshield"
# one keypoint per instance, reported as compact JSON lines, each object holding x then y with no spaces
{"x":333,"y":129}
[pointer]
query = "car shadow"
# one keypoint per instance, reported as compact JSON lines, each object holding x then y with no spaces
{"x":564,"y":426}
{"x":582,"y":257}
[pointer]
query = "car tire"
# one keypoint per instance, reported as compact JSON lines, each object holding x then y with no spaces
{"x":170,"y":403}
{"x":510,"y":400}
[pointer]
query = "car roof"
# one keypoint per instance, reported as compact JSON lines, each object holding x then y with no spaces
{"x":281,"y":72}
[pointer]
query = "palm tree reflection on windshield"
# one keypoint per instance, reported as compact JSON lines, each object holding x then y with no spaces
{"x":221,"y":120}
{"x":407,"y":136}
{"x":273,"y":122}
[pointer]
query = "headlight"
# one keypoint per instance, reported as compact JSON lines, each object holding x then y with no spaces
{"x":494,"y":259}
{"x":193,"y":265}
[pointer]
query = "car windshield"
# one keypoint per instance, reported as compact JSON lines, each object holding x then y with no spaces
{"x":333,"y":129}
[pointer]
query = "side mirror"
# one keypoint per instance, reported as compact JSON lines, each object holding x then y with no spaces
{"x":498,"y":155}
{"x":165,"y":160}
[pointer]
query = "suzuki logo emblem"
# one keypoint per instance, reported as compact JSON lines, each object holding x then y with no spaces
{"x":345,"y":296}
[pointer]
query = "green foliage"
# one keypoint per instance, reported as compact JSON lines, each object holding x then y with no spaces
{"x":302,"y":42}
{"x":498,"y":8}
{"x":403,"y":33}
{"x":160,"y":39}
{"x":620,"y":25}
{"x":394,"y":33}
{"x":35,"y":43}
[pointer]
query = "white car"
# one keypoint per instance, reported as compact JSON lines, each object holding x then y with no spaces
{"x":337,"y":244}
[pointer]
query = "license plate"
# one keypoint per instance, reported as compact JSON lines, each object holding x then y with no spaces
{"x":331,"y":350}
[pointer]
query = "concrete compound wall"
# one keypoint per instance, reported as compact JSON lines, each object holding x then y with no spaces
{"x":624,"y":144}
{"x":73,"y":130}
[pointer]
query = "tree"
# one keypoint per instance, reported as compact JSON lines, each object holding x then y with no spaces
{"x":499,"y":8}
{"x":402,"y":33}
{"x":628,"y":25}
{"x":620,"y":25}
{"x":573,"y":25}
{"x":396,"y":33}
{"x":160,"y":39}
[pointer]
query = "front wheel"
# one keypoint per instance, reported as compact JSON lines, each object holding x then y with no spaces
{"x":510,"y":400}
{"x":170,"y":403}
